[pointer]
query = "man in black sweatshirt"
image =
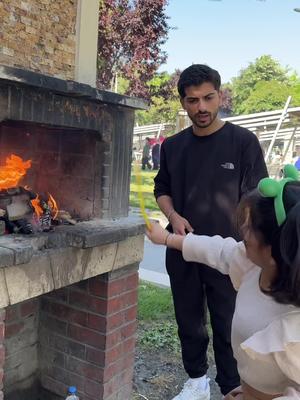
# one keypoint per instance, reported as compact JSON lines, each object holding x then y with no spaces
{"x":204,"y":171}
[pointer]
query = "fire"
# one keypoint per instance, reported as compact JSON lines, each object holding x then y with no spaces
{"x":10,"y":175}
{"x":53,"y":205}
{"x":12,"y":172}
{"x":36,"y":203}
{"x":37,"y":207}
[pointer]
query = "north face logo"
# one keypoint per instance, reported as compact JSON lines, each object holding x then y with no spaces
{"x":228,"y":165}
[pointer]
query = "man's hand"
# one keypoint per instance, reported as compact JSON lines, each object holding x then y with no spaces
{"x":179,"y":224}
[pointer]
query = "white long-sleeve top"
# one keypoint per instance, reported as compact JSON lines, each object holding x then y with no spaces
{"x":265,"y":334}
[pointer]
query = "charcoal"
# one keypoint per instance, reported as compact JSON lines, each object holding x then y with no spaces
{"x":23,"y":226}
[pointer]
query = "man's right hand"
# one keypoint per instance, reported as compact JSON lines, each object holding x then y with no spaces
{"x":179,"y":224}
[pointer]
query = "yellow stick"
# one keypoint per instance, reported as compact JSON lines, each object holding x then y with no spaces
{"x":139,"y":183}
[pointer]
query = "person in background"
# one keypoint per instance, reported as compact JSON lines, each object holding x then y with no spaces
{"x":146,"y":154}
{"x":204,"y":171}
{"x":155,"y":155}
{"x":265,"y":270}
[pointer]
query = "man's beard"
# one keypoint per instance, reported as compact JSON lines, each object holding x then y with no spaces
{"x":210,"y":119}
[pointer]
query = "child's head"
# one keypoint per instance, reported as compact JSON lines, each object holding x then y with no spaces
{"x":264,"y":239}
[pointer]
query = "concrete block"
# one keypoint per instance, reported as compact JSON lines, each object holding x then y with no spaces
{"x":29,"y":280}
{"x":67,"y":265}
{"x":4,"y":299}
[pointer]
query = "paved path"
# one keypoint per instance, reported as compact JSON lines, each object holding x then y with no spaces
{"x":152,"y":268}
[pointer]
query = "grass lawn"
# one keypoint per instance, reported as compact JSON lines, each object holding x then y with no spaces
{"x":158,"y":328}
{"x":147,"y":189}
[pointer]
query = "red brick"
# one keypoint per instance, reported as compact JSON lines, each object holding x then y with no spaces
{"x":2,"y":315}
{"x":123,"y":301}
{"x":125,"y":376}
{"x":128,"y":345}
{"x":114,"y":385}
{"x":67,"y":346}
{"x":97,"y":322}
{"x":88,"y":302}
{"x":12,"y":313}
{"x":2,"y":332}
{"x":93,"y":389}
{"x":113,"y":354}
{"x":132,"y":281}
{"x":53,"y":385}
{"x":130,"y":314}
{"x":53,"y":324}
{"x":84,"y":369}
{"x":116,"y":287}
{"x":2,"y":355}
{"x":82,"y":285}
{"x":128,"y":330}
{"x":87,"y":336}
{"x":13,"y":328}
{"x":98,"y":287}
{"x":46,"y":304}
{"x":70,"y":314}
{"x":59,"y":294}
{"x":29,"y":307}
{"x":115,"y":321}
{"x":96,"y":356}
{"x":124,"y":392}
{"x":67,"y":377}
{"x":118,"y":367}
{"x":113,"y":338}
{"x":114,"y":305}
{"x":130,"y":299}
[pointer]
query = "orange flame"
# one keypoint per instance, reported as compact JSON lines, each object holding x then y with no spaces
{"x":53,"y":205}
{"x":37,"y":207}
{"x":13,"y":171}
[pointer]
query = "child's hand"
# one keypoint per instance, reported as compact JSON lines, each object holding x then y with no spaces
{"x":157,"y":234}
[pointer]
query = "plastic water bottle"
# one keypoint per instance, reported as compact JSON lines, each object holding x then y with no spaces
{"x":72,"y":393}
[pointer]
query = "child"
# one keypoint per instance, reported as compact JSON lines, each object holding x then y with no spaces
{"x":265,"y":270}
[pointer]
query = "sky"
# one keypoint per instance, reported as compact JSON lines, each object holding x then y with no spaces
{"x":229,"y":34}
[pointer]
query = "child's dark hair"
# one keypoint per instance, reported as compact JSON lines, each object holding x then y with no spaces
{"x":284,"y":240}
{"x":197,"y":74}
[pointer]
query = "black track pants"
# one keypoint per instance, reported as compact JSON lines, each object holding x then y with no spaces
{"x":193,"y":286}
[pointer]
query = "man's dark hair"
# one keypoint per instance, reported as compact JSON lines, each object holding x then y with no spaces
{"x":197,"y":74}
{"x":284,"y":240}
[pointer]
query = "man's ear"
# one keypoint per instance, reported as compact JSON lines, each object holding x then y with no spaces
{"x":221,"y":96}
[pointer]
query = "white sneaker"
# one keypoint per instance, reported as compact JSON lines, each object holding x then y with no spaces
{"x":191,"y":391}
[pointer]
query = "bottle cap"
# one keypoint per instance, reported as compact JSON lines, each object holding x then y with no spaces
{"x":72,"y":389}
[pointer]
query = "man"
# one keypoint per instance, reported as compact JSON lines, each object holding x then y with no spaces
{"x":146,"y":154}
{"x":204,"y":171}
{"x":155,"y":155}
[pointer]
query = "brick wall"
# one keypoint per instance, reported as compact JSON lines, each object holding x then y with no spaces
{"x":65,"y":163}
{"x":21,"y":351}
{"x":88,"y":336}
{"x":39,"y":35}
{"x":82,"y":335}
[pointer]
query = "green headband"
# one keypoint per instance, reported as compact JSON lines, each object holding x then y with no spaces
{"x":268,"y":187}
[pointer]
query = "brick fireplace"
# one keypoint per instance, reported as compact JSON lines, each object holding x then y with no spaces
{"x":68,"y":298}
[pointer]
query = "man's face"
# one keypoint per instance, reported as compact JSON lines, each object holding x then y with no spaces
{"x":202,"y":104}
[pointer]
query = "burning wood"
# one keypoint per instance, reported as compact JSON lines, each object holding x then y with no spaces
{"x":22,"y":210}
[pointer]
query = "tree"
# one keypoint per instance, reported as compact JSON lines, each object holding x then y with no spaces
{"x":265,"y":68}
{"x":164,"y":101}
{"x":267,"y":95}
{"x":131,"y":33}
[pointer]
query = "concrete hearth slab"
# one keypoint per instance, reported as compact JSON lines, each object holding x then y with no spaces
{"x":19,"y":249}
{"x":34,"y":265}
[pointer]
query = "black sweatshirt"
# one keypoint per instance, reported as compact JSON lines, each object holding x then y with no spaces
{"x":207,"y":175}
